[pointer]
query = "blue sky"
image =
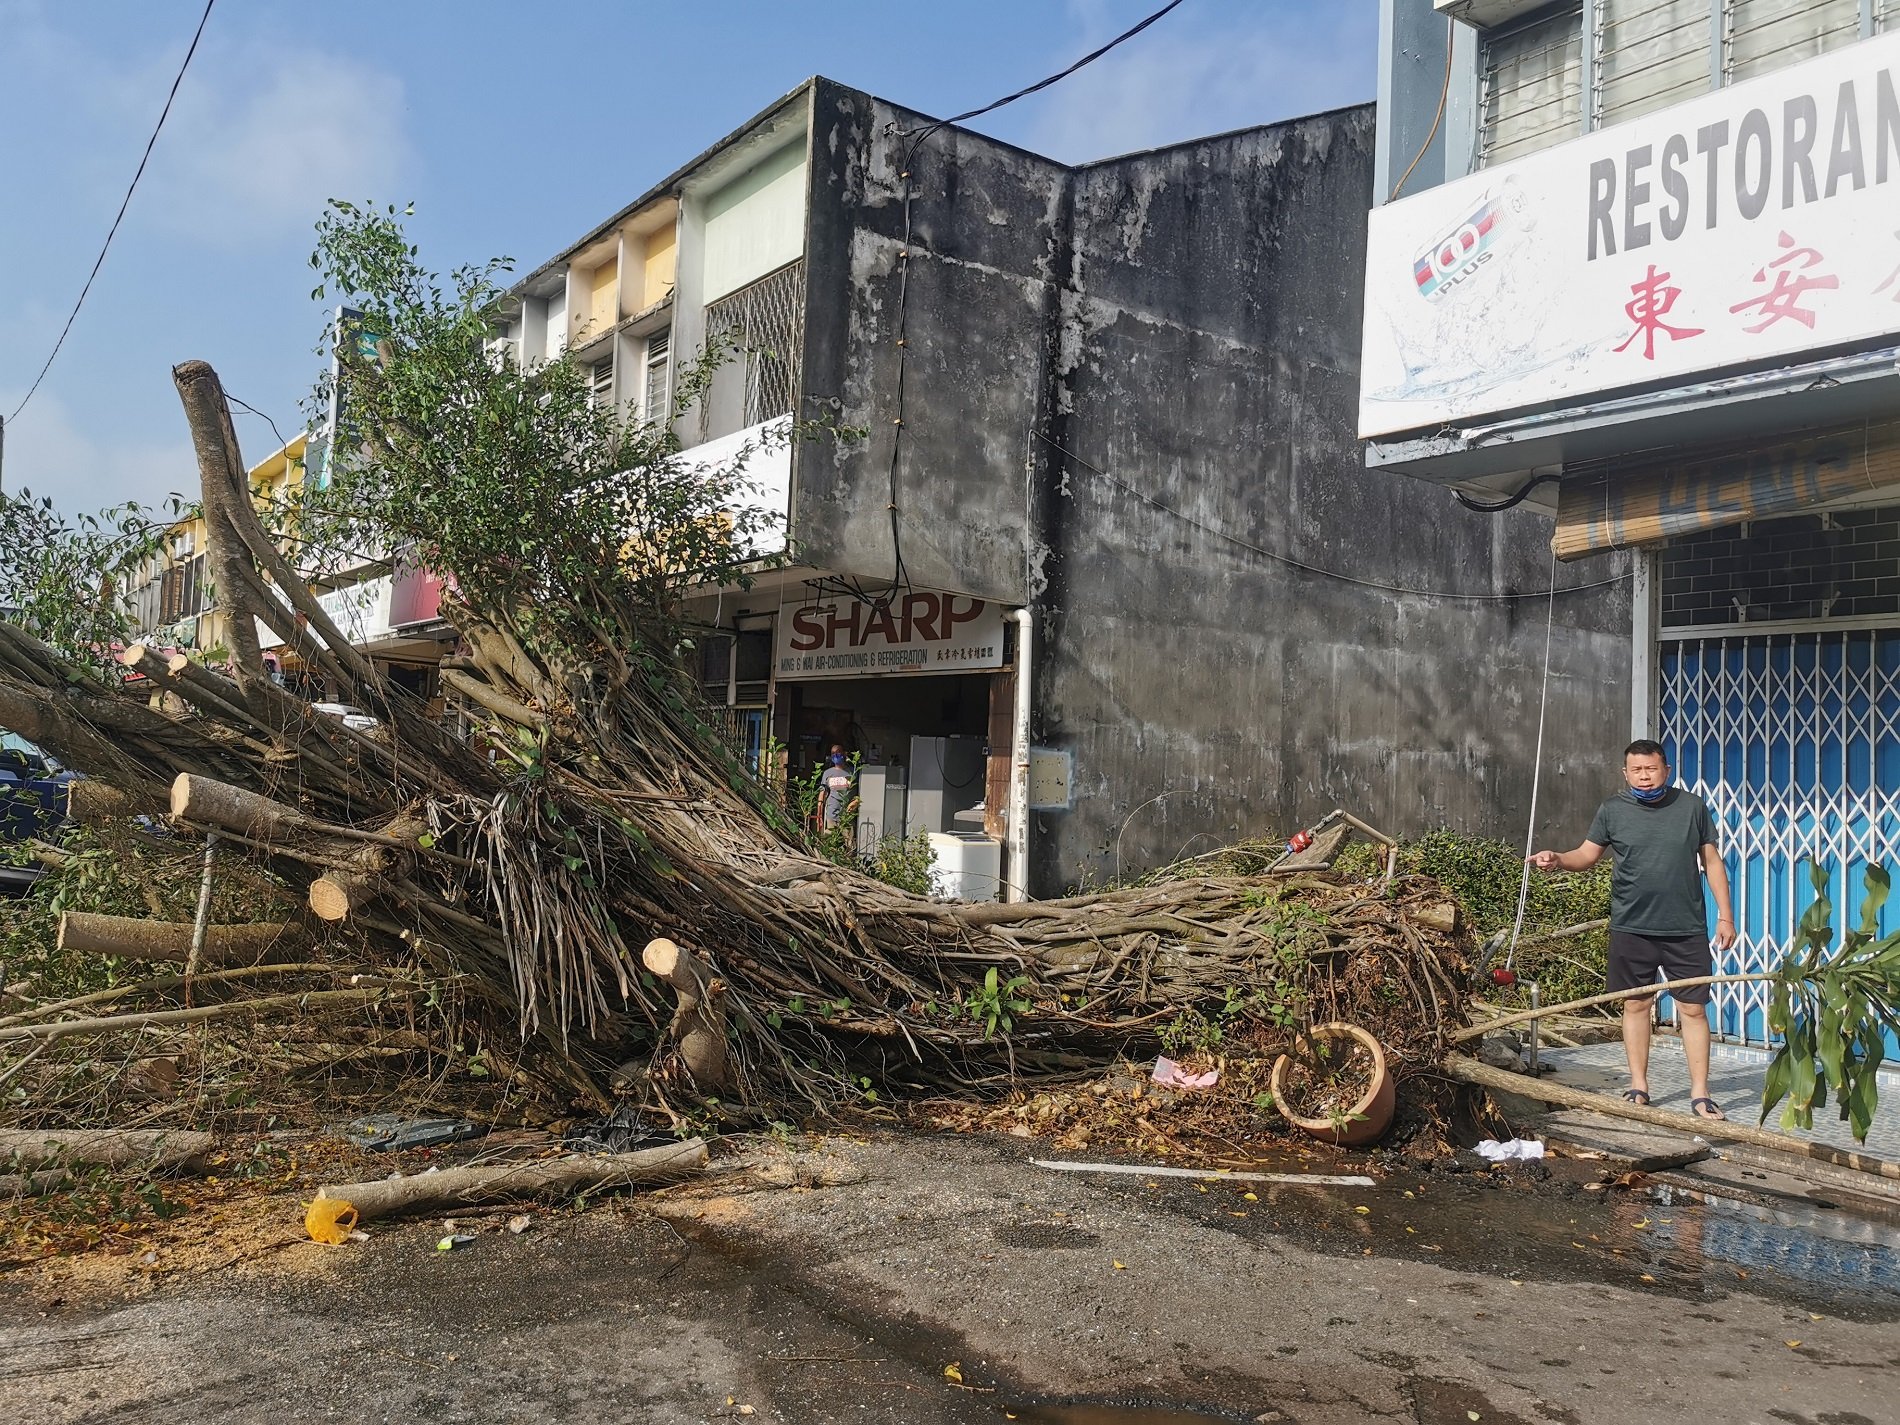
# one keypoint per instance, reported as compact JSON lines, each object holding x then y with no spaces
{"x":475,"y":110}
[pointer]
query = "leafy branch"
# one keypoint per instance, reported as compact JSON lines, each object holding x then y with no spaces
{"x":1834,"y":1011}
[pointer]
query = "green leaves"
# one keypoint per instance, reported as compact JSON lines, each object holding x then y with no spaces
{"x":1833,"y":1011}
{"x":996,"y":1005}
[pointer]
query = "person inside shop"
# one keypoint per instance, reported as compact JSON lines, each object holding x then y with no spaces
{"x":835,"y":801}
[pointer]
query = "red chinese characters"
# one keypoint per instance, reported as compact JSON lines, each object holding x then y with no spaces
{"x":1782,"y":302}
{"x":1892,"y":280}
{"x":1652,"y":299}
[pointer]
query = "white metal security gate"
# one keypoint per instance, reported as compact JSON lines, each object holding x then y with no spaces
{"x":1793,"y":738}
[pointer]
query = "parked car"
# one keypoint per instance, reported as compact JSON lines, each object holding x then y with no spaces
{"x":32,"y":803}
{"x":352,"y":717}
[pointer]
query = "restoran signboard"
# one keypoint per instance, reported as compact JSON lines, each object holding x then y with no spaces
{"x":916,"y":632}
{"x":1751,"y":225}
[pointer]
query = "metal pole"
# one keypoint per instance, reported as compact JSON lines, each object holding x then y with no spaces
{"x":201,"y":923}
{"x":1536,"y":1003}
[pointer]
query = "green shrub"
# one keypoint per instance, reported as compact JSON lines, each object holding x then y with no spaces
{"x":1483,"y":875}
{"x":902,"y":861}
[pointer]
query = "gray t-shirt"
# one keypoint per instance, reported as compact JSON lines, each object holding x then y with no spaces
{"x":837,"y":788}
{"x":1657,"y":888}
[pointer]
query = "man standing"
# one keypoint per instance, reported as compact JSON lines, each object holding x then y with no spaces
{"x":1663,"y":841}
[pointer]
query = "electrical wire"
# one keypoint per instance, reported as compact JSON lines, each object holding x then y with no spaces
{"x":124,"y":203}
{"x":1495,"y":507}
{"x":1315,"y":569}
{"x":1042,"y":84}
{"x":1451,"y":29}
{"x":1537,"y":771}
{"x":246,"y":405}
{"x":900,"y":574}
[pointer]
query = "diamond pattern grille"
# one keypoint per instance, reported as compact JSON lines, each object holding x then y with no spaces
{"x":1794,"y":741}
{"x":764,"y":321}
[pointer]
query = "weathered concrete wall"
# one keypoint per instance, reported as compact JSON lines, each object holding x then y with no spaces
{"x":1129,"y":403}
{"x":1211,"y":366}
{"x":987,"y":231}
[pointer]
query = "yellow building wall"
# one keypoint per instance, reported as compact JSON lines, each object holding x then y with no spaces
{"x":657,"y":277}
{"x":602,"y":309}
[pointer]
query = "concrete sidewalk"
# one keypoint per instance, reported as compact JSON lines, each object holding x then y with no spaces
{"x":1735,"y":1082}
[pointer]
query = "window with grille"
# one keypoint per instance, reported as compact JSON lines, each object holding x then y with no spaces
{"x":1533,"y":87}
{"x":1649,"y":54}
{"x":765,"y":322}
{"x":655,"y":408}
{"x":600,"y":382}
{"x":1763,"y":35}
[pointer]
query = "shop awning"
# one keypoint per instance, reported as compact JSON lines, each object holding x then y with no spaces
{"x":1645,"y":504}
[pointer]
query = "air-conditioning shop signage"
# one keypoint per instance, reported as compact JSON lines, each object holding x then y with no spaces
{"x":917,"y":632}
{"x":1749,"y":226}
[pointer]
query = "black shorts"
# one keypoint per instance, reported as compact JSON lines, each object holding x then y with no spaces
{"x":1637,"y":960}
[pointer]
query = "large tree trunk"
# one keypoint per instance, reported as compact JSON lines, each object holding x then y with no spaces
{"x":29,"y":1148}
{"x":128,"y":938}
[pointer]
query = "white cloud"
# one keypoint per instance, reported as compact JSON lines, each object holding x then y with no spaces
{"x":1201,"y":71}
{"x":50,"y":452}
{"x":262,"y":132}
{"x":259,"y":151}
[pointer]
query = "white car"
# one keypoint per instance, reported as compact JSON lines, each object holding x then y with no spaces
{"x":355,"y":719}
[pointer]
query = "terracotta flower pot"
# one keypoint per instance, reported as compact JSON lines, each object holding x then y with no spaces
{"x":1366,"y":1120}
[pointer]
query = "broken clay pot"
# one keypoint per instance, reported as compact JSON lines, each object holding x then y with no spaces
{"x":1367,"y":1120}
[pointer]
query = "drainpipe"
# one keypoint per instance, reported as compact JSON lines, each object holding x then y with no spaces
{"x":1016,"y":884}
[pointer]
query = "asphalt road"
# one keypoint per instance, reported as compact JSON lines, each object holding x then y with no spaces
{"x":1517,"y":1303}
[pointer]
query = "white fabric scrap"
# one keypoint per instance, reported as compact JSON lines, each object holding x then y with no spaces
{"x":1517,"y":1150}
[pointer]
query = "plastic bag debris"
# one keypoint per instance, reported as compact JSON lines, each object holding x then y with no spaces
{"x":1174,"y":1076}
{"x":454,"y":1242}
{"x":330,"y":1220}
{"x":386,"y":1132}
{"x":1515,"y":1150}
{"x":622,"y":1131}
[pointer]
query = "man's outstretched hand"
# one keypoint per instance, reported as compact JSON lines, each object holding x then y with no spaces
{"x":1544,"y":860}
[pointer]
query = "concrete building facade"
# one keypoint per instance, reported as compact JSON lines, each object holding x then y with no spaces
{"x":1101,"y":553}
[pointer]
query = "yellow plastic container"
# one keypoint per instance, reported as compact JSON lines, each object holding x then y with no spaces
{"x":330,"y":1220}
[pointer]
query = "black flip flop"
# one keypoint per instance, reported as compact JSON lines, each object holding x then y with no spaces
{"x":1639,"y":1097}
{"x":1695,"y":1105}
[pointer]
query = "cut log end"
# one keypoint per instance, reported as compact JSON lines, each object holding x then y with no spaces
{"x":338,"y":896}
{"x":662,"y":957}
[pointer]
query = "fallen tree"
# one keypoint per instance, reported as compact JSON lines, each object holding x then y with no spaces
{"x":598,"y":807}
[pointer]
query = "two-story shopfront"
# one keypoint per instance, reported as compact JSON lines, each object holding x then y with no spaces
{"x":1637,"y":264}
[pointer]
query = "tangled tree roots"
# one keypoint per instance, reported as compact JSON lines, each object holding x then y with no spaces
{"x":595,"y":809}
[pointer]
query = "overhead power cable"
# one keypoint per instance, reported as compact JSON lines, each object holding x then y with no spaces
{"x":1323,"y":573}
{"x":124,"y":203}
{"x":1042,"y":84}
{"x":900,"y":574}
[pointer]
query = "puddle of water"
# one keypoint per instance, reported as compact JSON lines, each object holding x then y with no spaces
{"x":1111,"y":1413}
{"x":1819,"y":1248}
{"x":1543,"y":1225}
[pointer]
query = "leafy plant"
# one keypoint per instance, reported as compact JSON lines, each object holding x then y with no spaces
{"x":68,"y":580}
{"x":1483,"y":876}
{"x":1190,"y":1032}
{"x":558,"y":503}
{"x":1833,"y":1011}
{"x":903,"y":861}
{"x":998,"y":1002}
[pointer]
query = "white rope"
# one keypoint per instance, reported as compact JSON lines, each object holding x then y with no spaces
{"x":1537,"y":766}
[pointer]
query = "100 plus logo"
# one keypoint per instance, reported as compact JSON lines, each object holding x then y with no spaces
{"x":1460,"y":253}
